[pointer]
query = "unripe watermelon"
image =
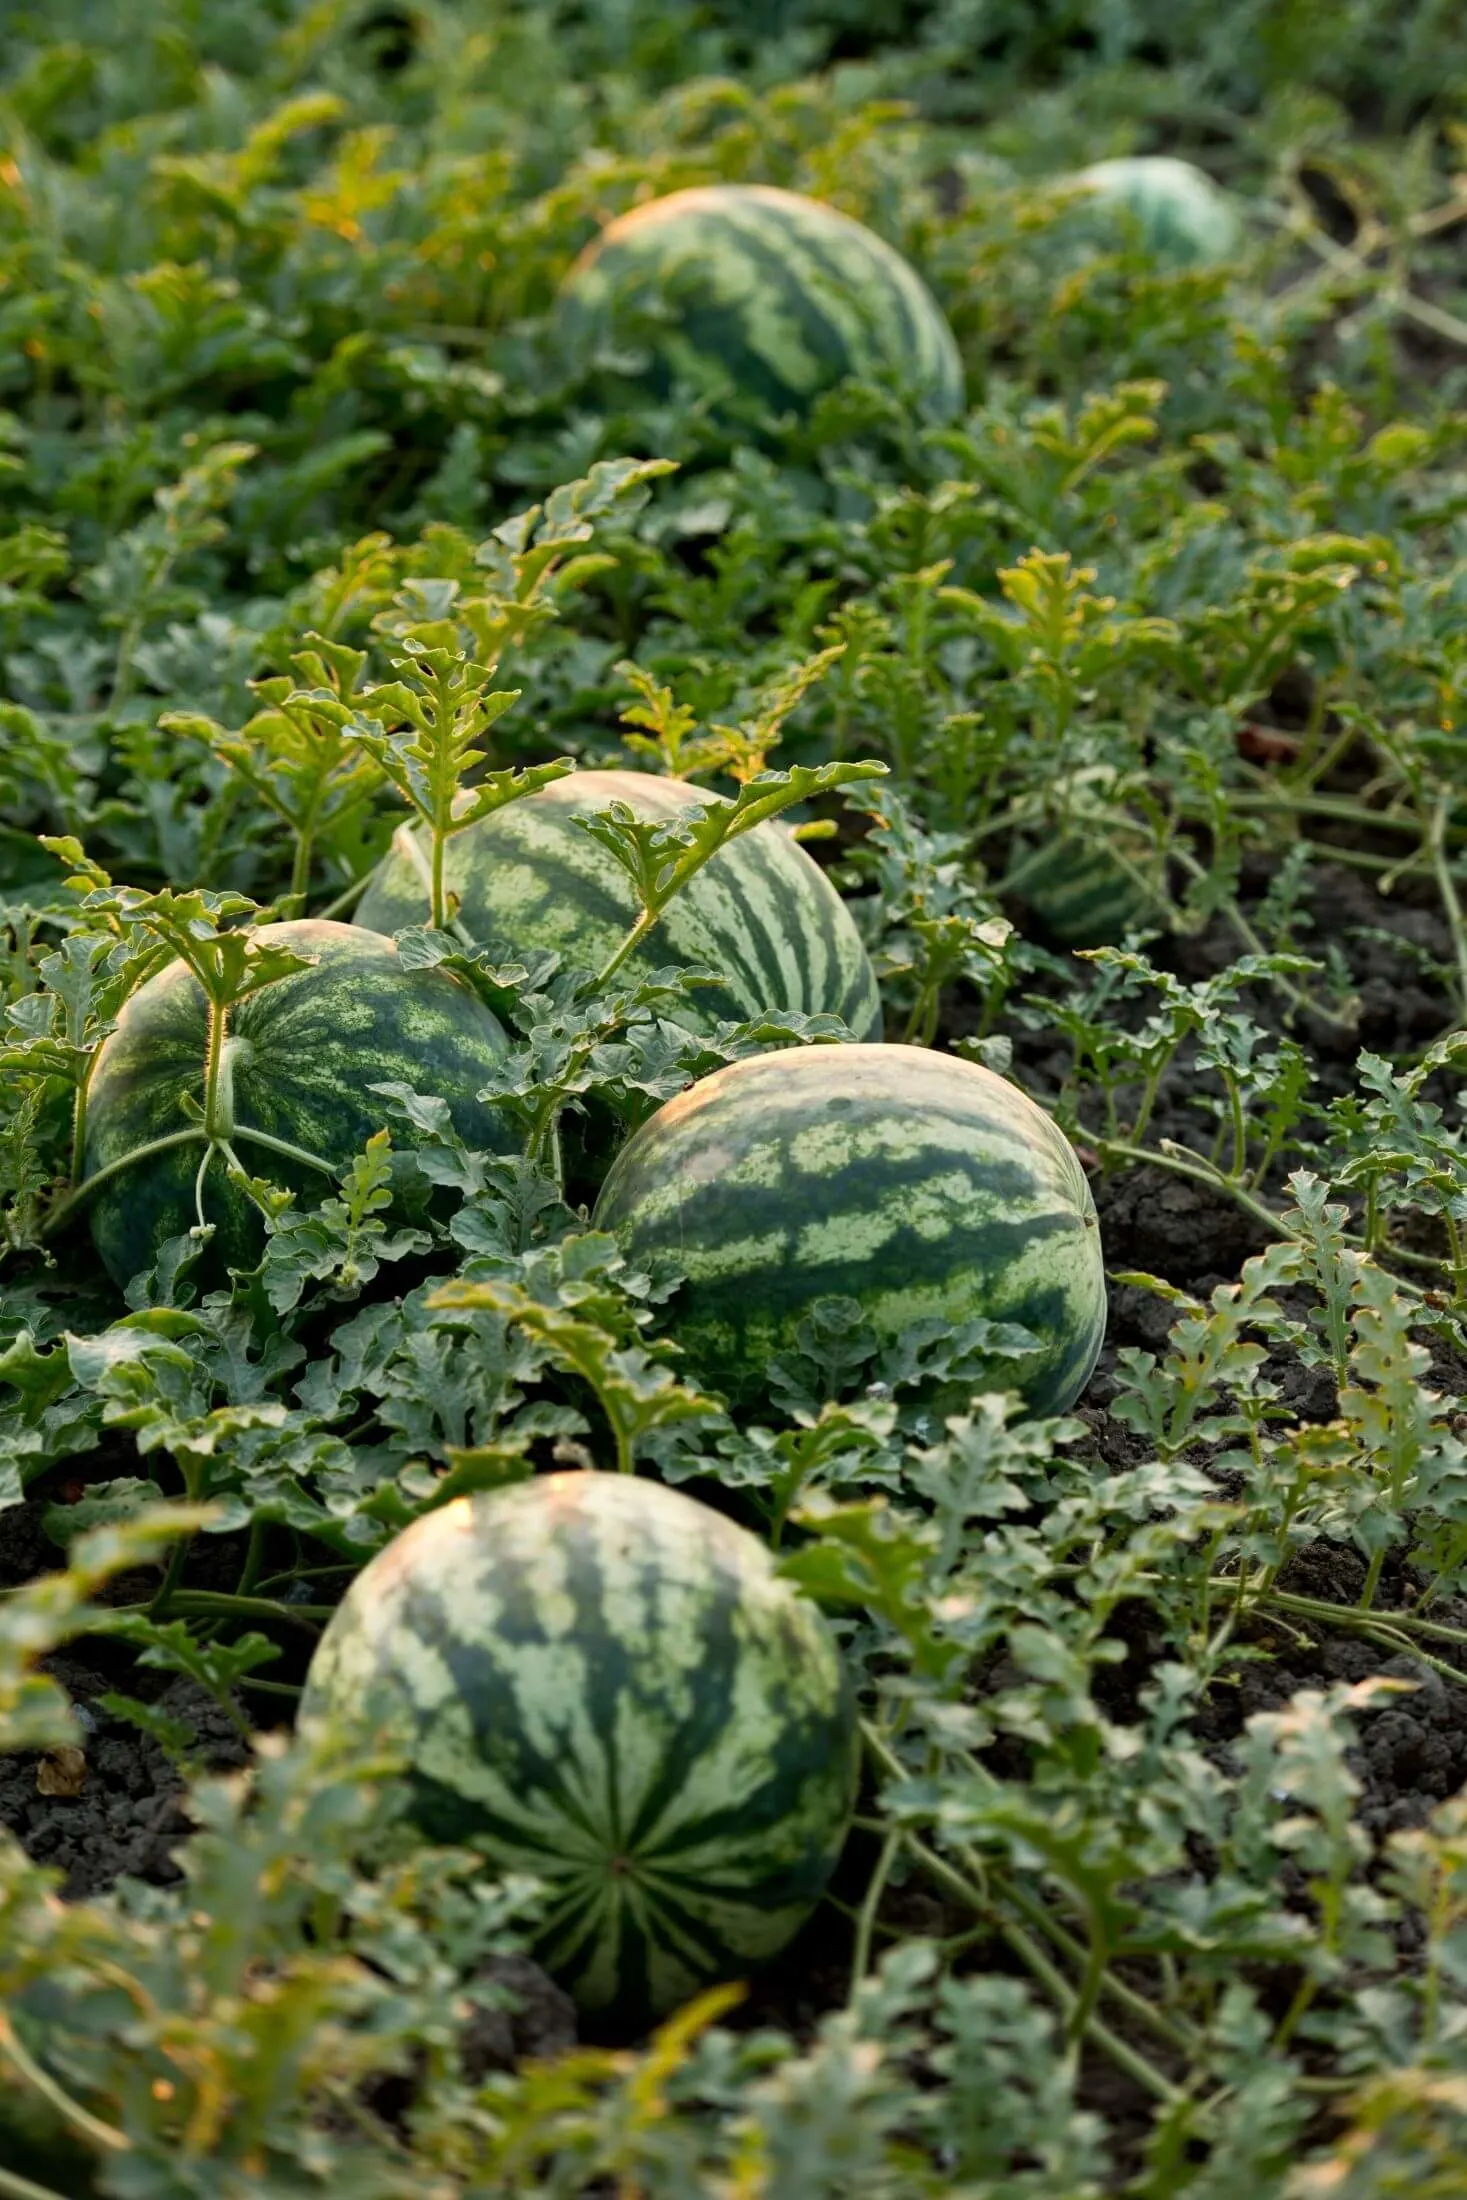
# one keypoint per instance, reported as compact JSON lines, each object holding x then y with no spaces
{"x":761,"y":912}
{"x":779,"y":294}
{"x":301,"y":1054}
{"x":1182,"y":215}
{"x":917,"y":1184}
{"x":600,"y":1681}
{"x":1081,"y":895}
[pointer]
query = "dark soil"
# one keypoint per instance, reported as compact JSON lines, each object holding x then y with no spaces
{"x":125,"y":1815}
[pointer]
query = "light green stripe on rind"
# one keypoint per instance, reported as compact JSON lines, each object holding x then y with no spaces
{"x":761,"y":912}
{"x":918,"y":1185}
{"x":782,"y":293}
{"x":601,"y":1682}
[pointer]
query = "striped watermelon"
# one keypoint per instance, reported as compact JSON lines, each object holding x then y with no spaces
{"x":917,"y":1184}
{"x":1182,"y":216}
{"x":778,"y":294}
{"x":761,"y":911}
{"x":600,"y":1681}
{"x":301,"y":1054}
{"x":1081,"y":895}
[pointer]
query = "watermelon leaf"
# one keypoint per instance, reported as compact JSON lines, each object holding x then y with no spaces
{"x":640,"y":1397}
{"x":293,"y":754}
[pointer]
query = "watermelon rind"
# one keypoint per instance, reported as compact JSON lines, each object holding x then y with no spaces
{"x":921,"y":1186}
{"x":761,"y":912}
{"x":1184,"y":219}
{"x":303,"y":1053}
{"x":1082,"y":895}
{"x":779,"y":295}
{"x":598,"y":1680}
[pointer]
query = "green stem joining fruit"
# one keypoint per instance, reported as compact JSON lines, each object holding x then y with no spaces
{"x":148,"y":1151}
{"x":437,"y":887}
{"x":300,"y":870}
{"x":41,"y":2081}
{"x":218,"y":1103}
{"x":79,"y":1105}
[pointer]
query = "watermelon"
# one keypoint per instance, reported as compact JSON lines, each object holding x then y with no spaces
{"x":600,"y":1681}
{"x":302,"y":1053}
{"x":1081,"y":895}
{"x":778,"y":295}
{"x":761,"y":912}
{"x":916,"y":1184}
{"x":1183,"y":217}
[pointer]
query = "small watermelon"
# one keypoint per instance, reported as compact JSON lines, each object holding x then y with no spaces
{"x":761,"y":912}
{"x":598,"y":1680}
{"x":780,"y":295}
{"x":1080,"y":894}
{"x":916,"y":1184}
{"x":301,"y":1054}
{"x":1183,"y":217}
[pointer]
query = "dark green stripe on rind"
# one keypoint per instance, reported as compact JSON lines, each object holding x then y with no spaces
{"x":600,"y":1681}
{"x":921,"y":1186}
{"x":302,"y":1054}
{"x":761,"y":912}
{"x":782,"y":295}
{"x":1080,"y":893}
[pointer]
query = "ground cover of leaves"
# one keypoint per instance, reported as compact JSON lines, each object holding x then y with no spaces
{"x":1158,"y":1879}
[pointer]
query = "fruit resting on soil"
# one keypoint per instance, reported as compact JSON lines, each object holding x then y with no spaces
{"x":1079,"y":892}
{"x":761,"y":912}
{"x":779,"y":294}
{"x":301,"y":1054}
{"x":598,"y":1680}
{"x":917,"y":1184}
{"x":1182,"y":215}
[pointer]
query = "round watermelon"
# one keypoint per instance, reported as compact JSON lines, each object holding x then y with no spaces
{"x":1183,"y":217}
{"x":301,"y":1054}
{"x":598,"y":1680}
{"x":1081,"y":895}
{"x":916,"y":1184}
{"x":778,"y":295}
{"x":762,"y":913}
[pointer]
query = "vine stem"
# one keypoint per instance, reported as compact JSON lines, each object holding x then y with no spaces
{"x":16,"y":2187}
{"x":891,"y":1849}
{"x":1032,"y":1956}
{"x":90,"y":2126}
{"x":346,"y":900}
{"x":1184,"y":1163}
{"x":229,"y":1606}
{"x":148,"y":1151}
{"x":1028,"y":1951}
{"x":1170,"y":1156}
{"x":284,"y":1148}
{"x":1446,"y":886}
{"x":628,"y":946}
